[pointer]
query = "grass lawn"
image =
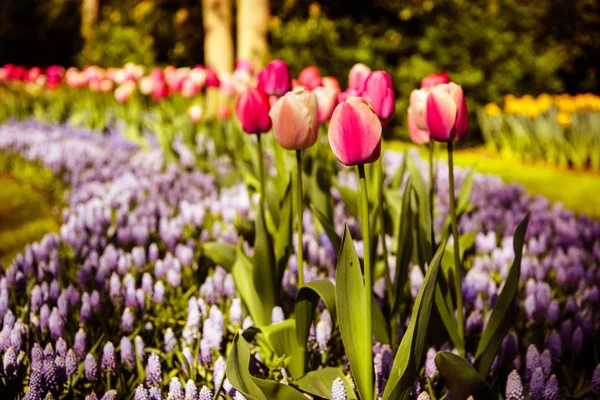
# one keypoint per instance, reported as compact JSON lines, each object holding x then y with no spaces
{"x":25,"y":216}
{"x":578,"y":191}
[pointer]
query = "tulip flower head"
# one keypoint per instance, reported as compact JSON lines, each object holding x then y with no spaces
{"x":310,"y":78}
{"x":432,"y":80}
{"x":357,"y":76}
{"x":446,"y":113}
{"x":195,"y":113}
{"x":417,"y":123}
{"x":252,"y":109}
{"x":355,"y":132}
{"x":331,"y":82}
{"x":326,"y":102}
{"x":295,"y":119}
{"x":275,"y":79}
{"x":380,"y":93}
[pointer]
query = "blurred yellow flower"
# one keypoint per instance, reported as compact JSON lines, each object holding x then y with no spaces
{"x":492,"y":109}
{"x":564,"y":119}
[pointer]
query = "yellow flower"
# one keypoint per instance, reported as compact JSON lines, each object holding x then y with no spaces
{"x":564,"y":119}
{"x":492,"y":109}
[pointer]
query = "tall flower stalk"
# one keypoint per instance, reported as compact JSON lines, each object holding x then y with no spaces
{"x":296,"y":127}
{"x":447,"y":120}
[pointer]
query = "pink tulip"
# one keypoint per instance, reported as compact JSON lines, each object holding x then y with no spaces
{"x":357,"y":76}
{"x":446,"y":113}
{"x":347,"y":93}
{"x":124,"y":92}
{"x":223,"y":111}
{"x":145,"y":84}
{"x":160,"y":90}
{"x":310,"y":78}
{"x":252,"y":109}
{"x":418,"y":136}
{"x":355,"y":132}
{"x":417,"y":108}
{"x":105,"y":85}
{"x":326,"y":101}
{"x":195,"y":113}
{"x":295,"y":121}
{"x":274,"y":79}
{"x":432,"y":80}
{"x":245,"y":65}
{"x":211,"y":78}
{"x":331,"y":82}
{"x":189,"y":88}
{"x":380,"y":93}
{"x":32,"y":74}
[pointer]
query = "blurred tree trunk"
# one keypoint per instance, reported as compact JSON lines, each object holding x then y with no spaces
{"x":252,"y":26}
{"x":89,"y":16}
{"x":218,"y":36}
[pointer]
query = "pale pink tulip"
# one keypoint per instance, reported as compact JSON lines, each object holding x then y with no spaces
{"x":295,"y":119}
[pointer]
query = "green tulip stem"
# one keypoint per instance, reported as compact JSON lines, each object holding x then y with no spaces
{"x":261,"y":169}
{"x":300,"y":210}
{"x":458,"y":269}
{"x":432,"y":191}
{"x":366,"y":234}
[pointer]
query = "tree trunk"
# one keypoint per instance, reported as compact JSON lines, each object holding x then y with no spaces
{"x":218,"y":37}
{"x":252,"y":24}
{"x":89,"y":16}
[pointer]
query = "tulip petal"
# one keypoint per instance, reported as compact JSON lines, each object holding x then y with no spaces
{"x":441,"y":114}
{"x":355,"y":133}
{"x":462,"y":115}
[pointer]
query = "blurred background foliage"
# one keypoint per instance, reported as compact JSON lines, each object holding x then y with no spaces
{"x":491,"y":47}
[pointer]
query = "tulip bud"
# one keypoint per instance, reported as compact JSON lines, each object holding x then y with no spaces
{"x":195,"y":113}
{"x":380,"y":93}
{"x":331,"y":82}
{"x":223,"y":111}
{"x":252,"y":109}
{"x":310,"y":78}
{"x":417,"y":123}
{"x":295,"y":120}
{"x":124,"y":92}
{"x":357,"y":76}
{"x":446,"y":113}
{"x":326,"y":102}
{"x":355,"y":132}
{"x":274,"y":79}
{"x":432,"y":80}
{"x":211,"y":78}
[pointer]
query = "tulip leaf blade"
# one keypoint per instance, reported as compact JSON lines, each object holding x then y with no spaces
{"x":222,"y":254}
{"x":318,"y":383}
{"x":306,"y":303}
{"x":461,"y":378}
{"x":499,"y":322}
{"x":404,"y":246}
{"x":265,"y":271}
{"x":236,"y":370}
{"x":244,"y":283}
{"x":282,"y":338}
{"x":350,"y":299}
{"x":411,"y":352}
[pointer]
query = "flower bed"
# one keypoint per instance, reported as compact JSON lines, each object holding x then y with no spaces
{"x":136,"y":297}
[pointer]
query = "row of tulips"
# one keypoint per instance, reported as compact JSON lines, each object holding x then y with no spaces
{"x":559,"y":130}
{"x":357,"y":118}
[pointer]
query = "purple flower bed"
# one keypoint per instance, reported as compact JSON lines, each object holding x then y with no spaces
{"x":124,"y":302}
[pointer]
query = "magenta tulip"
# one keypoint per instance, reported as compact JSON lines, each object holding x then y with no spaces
{"x":357,"y":76}
{"x":295,"y":123}
{"x":432,"y":80}
{"x":310,"y":78}
{"x":380,"y":93}
{"x":252,"y":109}
{"x":275,"y":78}
{"x":446,"y":113}
{"x":355,"y":132}
{"x":326,"y":101}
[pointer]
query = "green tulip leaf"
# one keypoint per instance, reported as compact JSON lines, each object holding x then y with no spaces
{"x":222,"y":254}
{"x":404,"y":246}
{"x":306,"y":303}
{"x":411,"y":352}
{"x":265,"y":272}
{"x":238,"y":362}
{"x":502,"y":314}
{"x":243,"y":277}
{"x":282,"y":339}
{"x":461,"y":378}
{"x":284,"y":232}
{"x":350,"y":301}
{"x":318,"y":383}
{"x":349,"y":198}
